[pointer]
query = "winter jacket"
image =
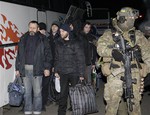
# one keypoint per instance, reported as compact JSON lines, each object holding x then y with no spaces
{"x":69,"y":57}
{"x":87,"y":42}
{"x":42,"y":56}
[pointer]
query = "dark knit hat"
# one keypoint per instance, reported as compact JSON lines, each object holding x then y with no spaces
{"x":42,"y":26}
{"x":56,"y":23}
{"x":65,"y":27}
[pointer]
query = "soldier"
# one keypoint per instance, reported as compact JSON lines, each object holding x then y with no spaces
{"x":108,"y":46}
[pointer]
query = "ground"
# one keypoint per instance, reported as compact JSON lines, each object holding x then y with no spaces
{"x":52,"y":109}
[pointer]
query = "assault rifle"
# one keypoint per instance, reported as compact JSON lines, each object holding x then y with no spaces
{"x":127,"y":78}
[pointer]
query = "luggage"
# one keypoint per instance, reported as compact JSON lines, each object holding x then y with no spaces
{"x":16,"y":92}
{"x":54,"y":95}
{"x":83,"y":99}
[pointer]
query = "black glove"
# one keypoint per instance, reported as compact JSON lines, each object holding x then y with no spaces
{"x":137,"y":53}
{"x":117,"y":55}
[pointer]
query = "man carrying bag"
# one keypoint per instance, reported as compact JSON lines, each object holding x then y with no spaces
{"x":69,"y":65}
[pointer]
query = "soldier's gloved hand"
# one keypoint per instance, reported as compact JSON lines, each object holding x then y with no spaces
{"x":117,"y":55}
{"x":137,"y":54}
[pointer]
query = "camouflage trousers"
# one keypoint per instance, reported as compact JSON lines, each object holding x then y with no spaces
{"x":113,"y":93}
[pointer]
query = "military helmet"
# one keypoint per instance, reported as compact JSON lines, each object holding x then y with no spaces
{"x":128,"y":12}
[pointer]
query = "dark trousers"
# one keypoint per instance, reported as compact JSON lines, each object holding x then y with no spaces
{"x":65,"y":79}
{"x":45,"y":89}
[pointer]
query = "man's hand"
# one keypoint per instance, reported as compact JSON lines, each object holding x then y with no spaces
{"x":17,"y":73}
{"x":93,"y":67}
{"x":53,"y":69}
{"x":46,"y":73}
{"x":57,"y":75}
{"x":81,"y":78}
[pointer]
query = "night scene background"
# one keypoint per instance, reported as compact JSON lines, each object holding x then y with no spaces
{"x":112,"y":6}
{"x":63,"y":5}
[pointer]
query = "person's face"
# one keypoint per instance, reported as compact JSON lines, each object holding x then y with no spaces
{"x":33,"y":28}
{"x":87,"y":28}
{"x":43,"y":32}
{"x":63,"y":34}
{"x":54,"y":28}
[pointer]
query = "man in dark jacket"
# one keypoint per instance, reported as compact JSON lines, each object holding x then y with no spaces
{"x":45,"y":79}
{"x":88,"y":44}
{"x":53,"y":38}
{"x":69,"y":65}
{"x":33,"y":59}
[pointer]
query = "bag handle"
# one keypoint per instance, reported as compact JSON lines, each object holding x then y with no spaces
{"x":82,"y":82}
{"x":18,"y":80}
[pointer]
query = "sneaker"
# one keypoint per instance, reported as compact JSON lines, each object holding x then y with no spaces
{"x":28,"y":112}
{"x":36,"y":112}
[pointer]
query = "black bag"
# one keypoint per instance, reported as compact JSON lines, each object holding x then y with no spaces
{"x":83,"y":99}
{"x":54,"y":95}
{"x":16,"y":92}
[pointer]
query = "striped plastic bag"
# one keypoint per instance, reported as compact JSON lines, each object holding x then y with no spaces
{"x":83,"y":99}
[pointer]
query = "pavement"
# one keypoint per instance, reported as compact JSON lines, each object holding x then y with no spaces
{"x":52,"y":109}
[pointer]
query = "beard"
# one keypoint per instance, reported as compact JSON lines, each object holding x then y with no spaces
{"x":31,"y":33}
{"x":64,"y":36}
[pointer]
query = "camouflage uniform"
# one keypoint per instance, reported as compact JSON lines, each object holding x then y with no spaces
{"x":113,"y":88}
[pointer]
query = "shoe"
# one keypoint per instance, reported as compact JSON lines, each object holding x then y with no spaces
{"x":36,"y":112}
{"x":70,"y":109}
{"x":49,"y":103}
{"x":28,"y":112}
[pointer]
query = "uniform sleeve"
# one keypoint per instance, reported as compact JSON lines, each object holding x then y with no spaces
{"x":104,"y":44}
{"x":145,"y":47}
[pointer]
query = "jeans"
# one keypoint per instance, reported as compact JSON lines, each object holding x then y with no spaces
{"x":32,"y":83}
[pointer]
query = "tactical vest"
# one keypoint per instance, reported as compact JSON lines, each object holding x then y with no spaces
{"x":109,"y":62}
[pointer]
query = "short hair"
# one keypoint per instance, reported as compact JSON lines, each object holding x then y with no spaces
{"x":42,"y":26}
{"x":33,"y":22}
{"x":86,"y":23}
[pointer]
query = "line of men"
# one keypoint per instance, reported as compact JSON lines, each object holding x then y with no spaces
{"x":70,"y":56}
{"x":73,"y":57}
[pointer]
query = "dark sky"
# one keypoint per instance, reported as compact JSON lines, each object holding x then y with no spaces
{"x":115,"y":5}
{"x":63,"y":5}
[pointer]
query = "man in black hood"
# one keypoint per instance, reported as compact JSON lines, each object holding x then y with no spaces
{"x":69,"y":65}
